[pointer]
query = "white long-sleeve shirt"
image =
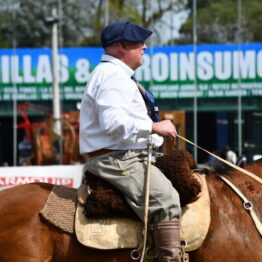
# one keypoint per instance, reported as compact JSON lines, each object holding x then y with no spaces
{"x":113,"y":114}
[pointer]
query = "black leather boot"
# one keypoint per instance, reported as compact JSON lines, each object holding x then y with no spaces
{"x":167,"y":241}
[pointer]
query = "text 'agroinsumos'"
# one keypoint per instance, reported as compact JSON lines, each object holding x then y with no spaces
{"x":220,"y":65}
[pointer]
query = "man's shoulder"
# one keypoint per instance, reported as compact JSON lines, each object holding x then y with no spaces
{"x":105,"y":69}
{"x":109,"y":70}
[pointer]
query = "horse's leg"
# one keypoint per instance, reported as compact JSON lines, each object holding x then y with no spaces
{"x":22,"y":235}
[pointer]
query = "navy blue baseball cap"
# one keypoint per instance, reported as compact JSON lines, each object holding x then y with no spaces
{"x":123,"y":32}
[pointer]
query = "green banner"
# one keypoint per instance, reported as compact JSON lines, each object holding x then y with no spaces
{"x":170,"y":72}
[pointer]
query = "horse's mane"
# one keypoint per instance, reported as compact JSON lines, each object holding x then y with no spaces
{"x":223,"y":169}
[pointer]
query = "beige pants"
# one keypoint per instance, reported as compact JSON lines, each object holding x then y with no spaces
{"x":126,"y":170}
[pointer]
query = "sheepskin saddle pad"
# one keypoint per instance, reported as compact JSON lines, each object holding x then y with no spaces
{"x":101,"y":199}
{"x":113,"y":233}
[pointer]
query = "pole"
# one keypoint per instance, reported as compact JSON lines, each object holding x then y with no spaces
{"x":239,"y":100}
{"x":57,"y":127}
{"x":14,"y":81}
{"x":195,"y":71}
{"x":151,"y":50}
{"x":106,"y":12}
{"x":171,"y":23}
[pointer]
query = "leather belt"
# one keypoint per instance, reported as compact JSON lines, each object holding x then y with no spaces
{"x":101,"y":152}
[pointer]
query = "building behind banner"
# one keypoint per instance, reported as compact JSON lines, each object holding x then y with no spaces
{"x":218,"y":76}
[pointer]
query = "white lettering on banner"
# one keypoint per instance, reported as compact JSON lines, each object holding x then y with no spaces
{"x":73,"y":96}
{"x":244,"y":64}
{"x":220,"y":86}
{"x":144,"y":71}
{"x":257,"y":92}
{"x":16,"y":78}
{"x":64,"y":73}
{"x":205,"y":66}
{"x":22,"y":69}
{"x":28,"y":77}
{"x":259,"y":63}
{"x":222,"y":65}
{"x":79,"y":89}
{"x":160,"y":67}
{"x":82,"y":70}
{"x":190,"y":94}
{"x":223,"y":69}
{"x":187,"y":87}
{"x":43,"y":70}
{"x":203,"y":86}
{"x":173,"y":66}
{"x":168,"y":94}
{"x":5,"y":69}
{"x":215,"y":93}
{"x":235,"y":92}
{"x":187,"y":65}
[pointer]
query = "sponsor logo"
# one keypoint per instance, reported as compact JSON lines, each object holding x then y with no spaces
{"x":20,"y":180}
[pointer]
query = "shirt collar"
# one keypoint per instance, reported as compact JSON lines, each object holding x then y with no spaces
{"x":116,"y":61}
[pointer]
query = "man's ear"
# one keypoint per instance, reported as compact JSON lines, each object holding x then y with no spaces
{"x":123,"y":45}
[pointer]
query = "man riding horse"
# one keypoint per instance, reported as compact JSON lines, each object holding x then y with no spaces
{"x":117,"y":121}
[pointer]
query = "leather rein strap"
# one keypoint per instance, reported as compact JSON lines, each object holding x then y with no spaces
{"x":246,"y":203}
{"x":258,"y":179}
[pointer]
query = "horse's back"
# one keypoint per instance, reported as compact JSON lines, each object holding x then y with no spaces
{"x":26,"y":236}
{"x":19,"y":212}
{"x":23,"y":201}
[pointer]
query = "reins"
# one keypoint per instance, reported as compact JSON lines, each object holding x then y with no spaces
{"x":246,"y":203}
{"x":258,"y":179}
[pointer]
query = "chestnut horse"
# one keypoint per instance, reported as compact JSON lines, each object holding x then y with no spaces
{"x":232,"y":236}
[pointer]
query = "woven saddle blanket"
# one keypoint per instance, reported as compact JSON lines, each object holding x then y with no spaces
{"x":62,"y":210}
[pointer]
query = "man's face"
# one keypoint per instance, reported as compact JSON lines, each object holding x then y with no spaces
{"x":134,"y":54}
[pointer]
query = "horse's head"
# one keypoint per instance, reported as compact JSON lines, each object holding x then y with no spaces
{"x":178,"y":166}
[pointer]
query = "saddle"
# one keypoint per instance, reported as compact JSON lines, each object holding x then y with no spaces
{"x":101,"y":199}
{"x":100,"y":217}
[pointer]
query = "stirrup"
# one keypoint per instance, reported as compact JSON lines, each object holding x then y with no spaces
{"x":184,"y":256}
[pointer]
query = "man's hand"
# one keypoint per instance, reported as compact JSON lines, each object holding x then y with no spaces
{"x":164,"y":128}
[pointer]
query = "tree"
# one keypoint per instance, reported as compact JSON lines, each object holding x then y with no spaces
{"x":27,"y":24}
{"x":217,"y":22}
{"x":80,"y":21}
{"x":150,"y":14}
